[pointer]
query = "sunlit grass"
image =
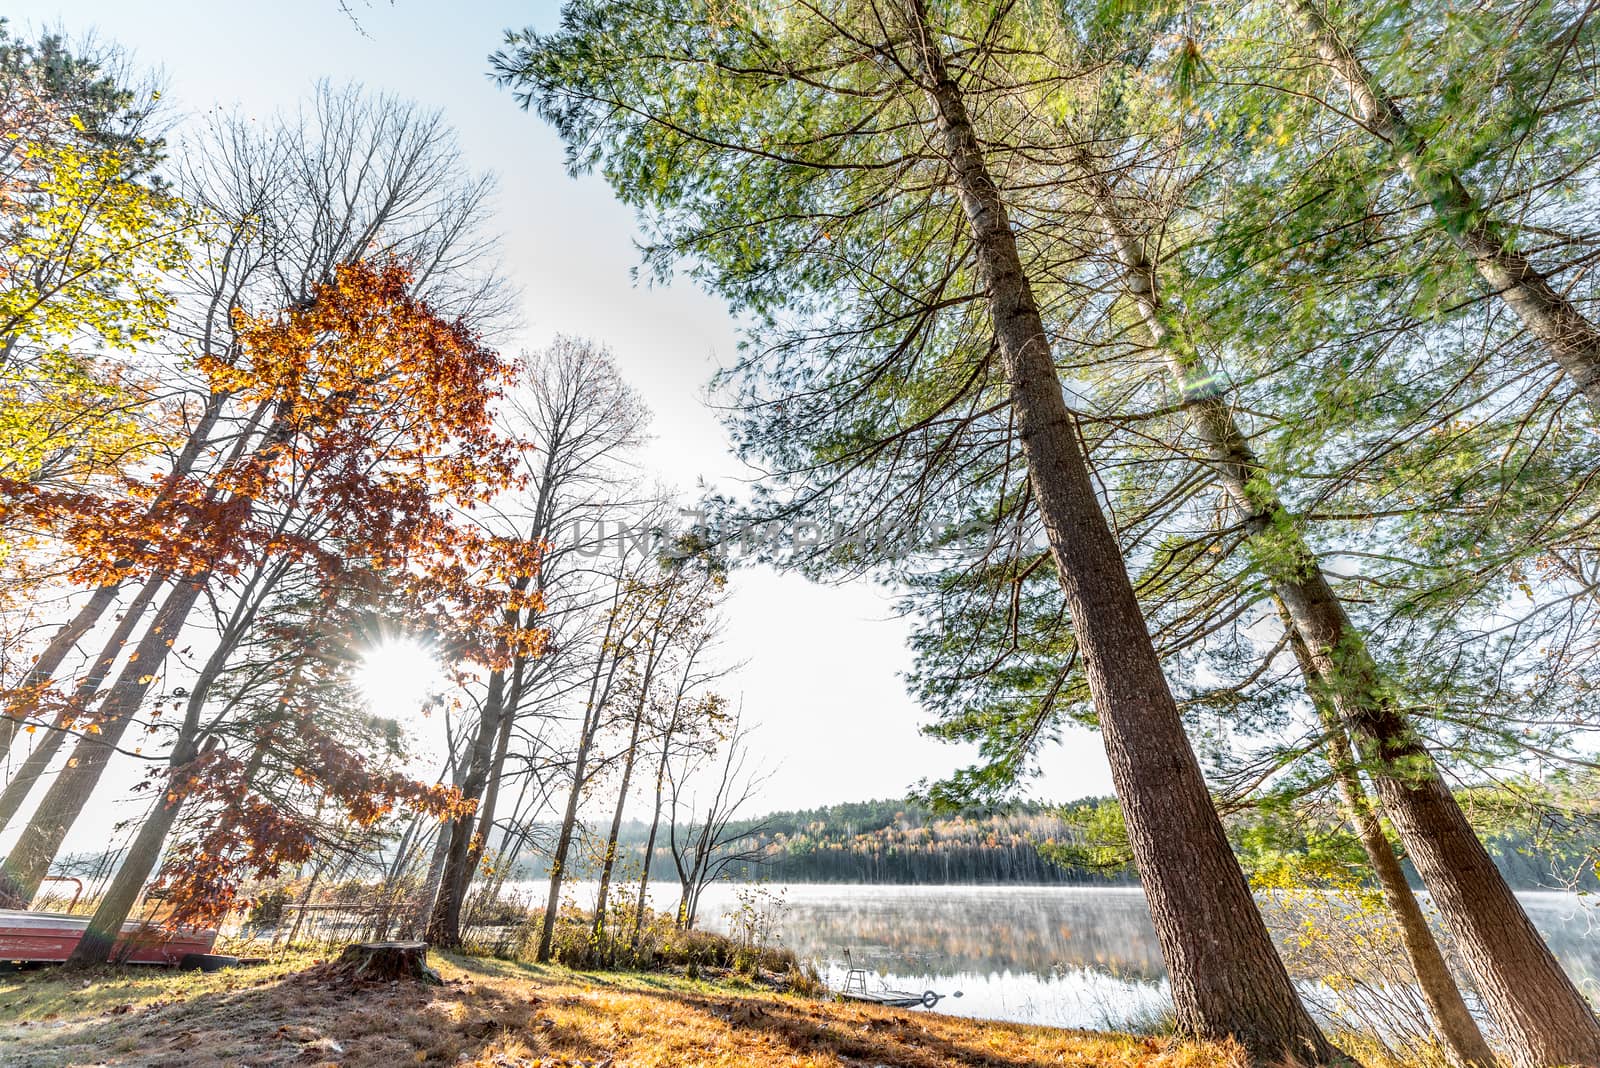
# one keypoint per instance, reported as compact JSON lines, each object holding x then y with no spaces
{"x":52,"y":993}
{"x":494,"y":1012}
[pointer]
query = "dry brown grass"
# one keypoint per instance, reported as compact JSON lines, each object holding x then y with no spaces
{"x":494,"y":1013}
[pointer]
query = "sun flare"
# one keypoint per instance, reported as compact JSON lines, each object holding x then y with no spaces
{"x":397,"y":678}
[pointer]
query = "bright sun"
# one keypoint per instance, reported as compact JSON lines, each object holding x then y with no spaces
{"x":397,"y":678}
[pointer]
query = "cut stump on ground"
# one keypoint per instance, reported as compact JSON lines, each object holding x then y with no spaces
{"x":386,"y":962}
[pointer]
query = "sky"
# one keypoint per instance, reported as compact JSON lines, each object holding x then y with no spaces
{"x":821,"y":666}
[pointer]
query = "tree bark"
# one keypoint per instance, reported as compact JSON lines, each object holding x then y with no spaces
{"x":1453,"y":1023}
{"x":610,"y":859}
{"x":1452,"y":1020}
{"x":1572,"y":341}
{"x":428,"y":896}
{"x":148,"y":844}
{"x":49,"y":662}
{"x":123,"y":892}
{"x":38,"y":761}
{"x":143,"y":854}
{"x":1524,"y":987}
{"x":592,"y":711}
{"x":497,"y":767}
{"x":558,"y":860}
{"x":67,"y":638}
{"x":1226,"y":976}
{"x":444,"y":926}
{"x":150,"y":841}
{"x":650,"y":839}
{"x":29,"y":860}
{"x":1539,"y":1012}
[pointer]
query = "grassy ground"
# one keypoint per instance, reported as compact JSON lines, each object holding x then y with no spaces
{"x":502,"y":1015}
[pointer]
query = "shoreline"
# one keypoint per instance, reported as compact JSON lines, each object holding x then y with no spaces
{"x":492,"y":1012}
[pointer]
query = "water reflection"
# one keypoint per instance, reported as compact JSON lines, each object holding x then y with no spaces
{"x":1059,"y":955}
{"x":1065,"y":956}
{"x":1037,"y":931}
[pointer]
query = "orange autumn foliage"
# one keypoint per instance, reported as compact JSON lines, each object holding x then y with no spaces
{"x":255,"y":836}
{"x":364,"y":434}
{"x":363,"y":408}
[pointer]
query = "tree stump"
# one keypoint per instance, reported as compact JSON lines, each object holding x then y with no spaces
{"x":386,"y":962}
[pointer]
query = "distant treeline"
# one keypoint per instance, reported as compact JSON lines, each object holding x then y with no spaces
{"x":892,"y":841}
{"x":904,"y":842}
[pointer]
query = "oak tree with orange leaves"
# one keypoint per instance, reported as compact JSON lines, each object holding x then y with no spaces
{"x":375,"y":428}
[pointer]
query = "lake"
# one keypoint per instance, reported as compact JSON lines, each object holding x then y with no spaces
{"x":1063,"y":956}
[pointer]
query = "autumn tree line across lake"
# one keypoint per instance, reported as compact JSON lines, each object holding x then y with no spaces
{"x":905,"y":842}
{"x":1259,"y":341}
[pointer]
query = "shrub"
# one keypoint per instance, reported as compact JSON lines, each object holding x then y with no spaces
{"x":661,"y":946}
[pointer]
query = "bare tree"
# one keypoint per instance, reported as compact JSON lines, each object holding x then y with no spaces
{"x":583,"y":422}
{"x":708,"y":844}
{"x":676,"y":619}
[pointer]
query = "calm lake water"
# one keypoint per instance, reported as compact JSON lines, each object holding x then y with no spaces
{"x":1063,"y":956}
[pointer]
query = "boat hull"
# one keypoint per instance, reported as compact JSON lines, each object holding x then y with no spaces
{"x":52,"y":936}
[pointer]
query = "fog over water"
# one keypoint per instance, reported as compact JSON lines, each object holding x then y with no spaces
{"x":1063,"y":956}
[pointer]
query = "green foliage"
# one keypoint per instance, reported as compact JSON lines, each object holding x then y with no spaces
{"x":774,"y":157}
{"x":1100,"y":842}
{"x":88,"y":241}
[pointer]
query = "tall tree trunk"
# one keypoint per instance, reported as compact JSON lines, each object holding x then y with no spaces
{"x":1572,"y":341}
{"x":49,"y":662}
{"x":444,"y":926}
{"x":455,"y":888}
{"x":650,"y":840}
{"x":510,"y":705}
{"x":1226,"y":976}
{"x":116,"y":904}
{"x":1540,"y":1013}
{"x":428,"y":896}
{"x":29,"y":860}
{"x":558,"y":860}
{"x":151,"y":839}
{"x":1543,"y":1016}
{"x":593,"y":710}
{"x":1452,"y":1021}
{"x":38,"y":761}
{"x":610,"y":859}
{"x":73,"y":631}
{"x":482,"y":784}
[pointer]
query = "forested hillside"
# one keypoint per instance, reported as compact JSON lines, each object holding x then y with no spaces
{"x":905,"y":842}
{"x":888,"y":841}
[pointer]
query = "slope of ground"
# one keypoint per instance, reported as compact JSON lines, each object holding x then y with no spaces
{"x":494,"y":1013}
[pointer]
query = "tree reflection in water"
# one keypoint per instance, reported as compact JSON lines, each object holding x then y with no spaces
{"x":1059,"y":955}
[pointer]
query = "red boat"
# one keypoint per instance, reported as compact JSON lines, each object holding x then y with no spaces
{"x":51,"y":936}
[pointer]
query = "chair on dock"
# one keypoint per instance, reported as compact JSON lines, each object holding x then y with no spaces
{"x":855,"y":979}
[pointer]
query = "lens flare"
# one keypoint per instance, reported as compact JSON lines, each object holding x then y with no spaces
{"x":397,"y":678}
